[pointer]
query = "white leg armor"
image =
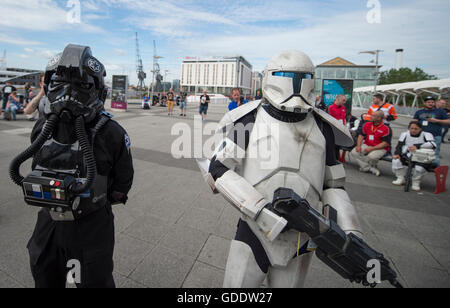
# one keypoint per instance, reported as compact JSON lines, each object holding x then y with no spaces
{"x":242,"y":271}
{"x":292,"y":276}
{"x":419,"y":173}
{"x":400,"y":174}
{"x":347,"y":217}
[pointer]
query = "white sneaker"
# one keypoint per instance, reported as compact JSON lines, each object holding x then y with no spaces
{"x":399,"y":181}
{"x":366,"y":169}
{"x":415,"y":186}
{"x":375,"y":171}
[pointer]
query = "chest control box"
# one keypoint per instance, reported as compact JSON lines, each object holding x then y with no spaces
{"x":49,"y":189}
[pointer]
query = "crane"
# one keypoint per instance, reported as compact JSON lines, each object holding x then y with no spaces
{"x":139,"y":67}
{"x":156,"y":70}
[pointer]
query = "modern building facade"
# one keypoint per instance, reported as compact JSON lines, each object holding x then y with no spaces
{"x":339,"y":68}
{"x":19,"y":76}
{"x":256,"y":82}
{"x":216,"y":75}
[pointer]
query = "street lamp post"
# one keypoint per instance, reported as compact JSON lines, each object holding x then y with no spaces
{"x":165,"y":80}
{"x":376,"y":53}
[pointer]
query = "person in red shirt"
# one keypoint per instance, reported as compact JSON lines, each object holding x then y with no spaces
{"x":338,"y":110}
{"x":373,"y":144}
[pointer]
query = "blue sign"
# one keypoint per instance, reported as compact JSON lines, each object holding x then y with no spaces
{"x":331,"y":88}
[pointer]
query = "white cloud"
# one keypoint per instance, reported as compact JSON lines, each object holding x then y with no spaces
{"x":40,"y":15}
{"x":113,"y":68}
{"x":120,"y":52}
{"x":417,"y":30}
{"x":29,"y":50}
{"x":14,"y":40}
{"x":46,"y":54}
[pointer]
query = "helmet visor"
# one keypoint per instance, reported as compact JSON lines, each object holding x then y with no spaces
{"x":297,"y":79}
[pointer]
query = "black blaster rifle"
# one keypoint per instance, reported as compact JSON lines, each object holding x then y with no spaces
{"x":409,"y":173}
{"x":347,"y":255}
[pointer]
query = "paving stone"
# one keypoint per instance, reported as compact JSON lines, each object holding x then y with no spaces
{"x":7,"y":281}
{"x":174,"y":232}
{"x":201,"y":219}
{"x":185,"y":240}
{"x":204,"y":276}
{"x":163,"y":268}
{"x":215,"y":252}
{"x":149,"y":229}
{"x":129,"y":253}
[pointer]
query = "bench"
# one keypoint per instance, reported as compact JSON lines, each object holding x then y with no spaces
{"x":440,"y":173}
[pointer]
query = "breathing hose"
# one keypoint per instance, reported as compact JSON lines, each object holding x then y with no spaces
{"x":47,"y":130}
{"x":88,"y":155}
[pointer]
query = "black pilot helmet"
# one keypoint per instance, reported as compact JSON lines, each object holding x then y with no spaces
{"x":74,"y":84}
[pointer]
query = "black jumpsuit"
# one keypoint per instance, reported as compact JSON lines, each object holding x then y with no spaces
{"x":89,"y":239}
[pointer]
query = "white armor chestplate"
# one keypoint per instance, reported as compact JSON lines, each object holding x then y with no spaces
{"x":288,"y":155}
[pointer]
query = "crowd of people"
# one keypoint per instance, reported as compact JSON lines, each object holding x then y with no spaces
{"x":372,"y":132}
{"x":14,"y":103}
{"x":170,"y":98}
{"x":373,"y":136}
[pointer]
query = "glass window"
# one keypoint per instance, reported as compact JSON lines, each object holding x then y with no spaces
{"x":340,"y":73}
{"x":366,"y":73}
{"x":351,"y":73}
{"x":329,"y":73}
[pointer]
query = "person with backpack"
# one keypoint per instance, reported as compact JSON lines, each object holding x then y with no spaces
{"x":390,"y":114}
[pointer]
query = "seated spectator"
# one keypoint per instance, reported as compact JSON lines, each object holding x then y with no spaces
{"x":338,"y":110}
{"x":352,"y":123}
{"x":6,"y":91}
{"x":412,"y":140}
{"x":373,"y":144}
{"x":13,"y":106}
{"x":146,"y":103}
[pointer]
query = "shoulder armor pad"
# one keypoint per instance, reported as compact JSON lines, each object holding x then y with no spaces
{"x":236,"y":114}
{"x":341,"y":133}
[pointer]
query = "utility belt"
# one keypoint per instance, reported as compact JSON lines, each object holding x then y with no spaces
{"x":52,"y":190}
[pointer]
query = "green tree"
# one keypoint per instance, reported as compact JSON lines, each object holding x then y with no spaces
{"x":404,"y":75}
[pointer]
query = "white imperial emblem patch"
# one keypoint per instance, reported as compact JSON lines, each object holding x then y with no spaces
{"x":94,"y":65}
{"x":55,"y":60}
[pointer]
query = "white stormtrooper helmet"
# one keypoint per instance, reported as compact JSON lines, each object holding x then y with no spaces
{"x":288,"y":82}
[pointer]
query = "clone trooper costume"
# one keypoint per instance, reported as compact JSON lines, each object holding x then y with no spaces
{"x":281,"y":141}
{"x":425,"y":144}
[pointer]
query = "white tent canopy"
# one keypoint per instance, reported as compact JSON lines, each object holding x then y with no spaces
{"x":420,"y":86}
{"x":399,"y":91}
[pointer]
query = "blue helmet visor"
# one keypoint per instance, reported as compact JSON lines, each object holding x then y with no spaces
{"x":297,"y":79}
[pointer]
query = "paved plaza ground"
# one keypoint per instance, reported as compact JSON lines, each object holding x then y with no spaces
{"x":174,"y":232}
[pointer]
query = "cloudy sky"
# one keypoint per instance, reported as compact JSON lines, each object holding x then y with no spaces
{"x":31,"y":31}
